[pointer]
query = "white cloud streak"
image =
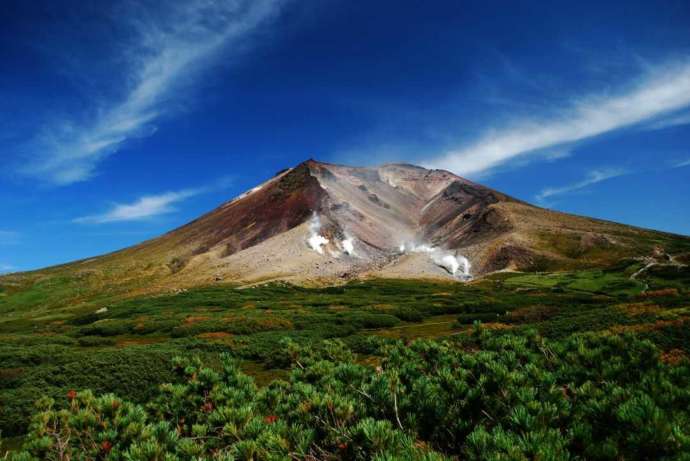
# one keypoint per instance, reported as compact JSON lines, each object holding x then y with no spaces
{"x":143,"y":208}
{"x":661,"y":92}
{"x":593,"y":177}
{"x":682,"y":164}
{"x":169,"y":50}
{"x":149,"y":206}
{"x":671,"y":122}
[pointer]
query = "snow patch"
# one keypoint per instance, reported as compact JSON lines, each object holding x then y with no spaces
{"x":249,"y":192}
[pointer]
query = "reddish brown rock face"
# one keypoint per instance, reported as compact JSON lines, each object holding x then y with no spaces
{"x":279,"y":205}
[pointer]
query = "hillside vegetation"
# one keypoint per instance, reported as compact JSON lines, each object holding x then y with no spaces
{"x":481,"y":397}
{"x":584,"y":365}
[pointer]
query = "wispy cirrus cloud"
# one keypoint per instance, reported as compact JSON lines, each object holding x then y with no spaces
{"x":682,"y":164}
{"x":173,"y":44}
{"x":670,"y":122}
{"x":664,"y":90}
{"x":593,"y":177}
{"x":152,"y":205}
{"x":143,"y":208}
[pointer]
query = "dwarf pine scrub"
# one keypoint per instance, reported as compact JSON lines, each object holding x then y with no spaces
{"x":487,"y":396}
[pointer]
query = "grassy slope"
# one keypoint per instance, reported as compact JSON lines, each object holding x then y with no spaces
{"x":554,"y":241}
{"x":52,"y":348}
{"x":561,"y":241}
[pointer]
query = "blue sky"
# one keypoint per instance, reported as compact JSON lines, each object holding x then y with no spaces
{"x":122,"y":120}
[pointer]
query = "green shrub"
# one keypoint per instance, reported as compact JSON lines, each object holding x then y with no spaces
{"x":131,"y":373}
{"x":368,"y":320}
{"x":468,"y":319}
{"x":95,"y":341}
{"x":408,"y":314}
{"x":481,"y":397}
{"x":107,"y":327}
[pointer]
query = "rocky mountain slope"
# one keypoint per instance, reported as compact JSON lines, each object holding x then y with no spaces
{"x":319,"y":223}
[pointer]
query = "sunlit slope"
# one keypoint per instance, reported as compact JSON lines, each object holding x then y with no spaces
{"x":396,"y":220}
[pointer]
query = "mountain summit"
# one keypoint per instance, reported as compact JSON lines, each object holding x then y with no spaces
{"x":320,"y":222}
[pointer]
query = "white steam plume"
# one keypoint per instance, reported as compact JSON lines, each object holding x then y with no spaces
{"x":316,"y":241}
{"x":349,"y":245}
{"x":457,"y":265}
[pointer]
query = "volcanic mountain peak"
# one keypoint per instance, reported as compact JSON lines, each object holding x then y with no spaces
{"x":359,"y":215}
{"x":318,"y":222}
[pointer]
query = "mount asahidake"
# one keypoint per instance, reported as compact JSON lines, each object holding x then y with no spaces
{"x":321,"y":223}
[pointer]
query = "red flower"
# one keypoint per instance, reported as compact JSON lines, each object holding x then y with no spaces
{"x":71,"y":395}
{"x":106,"y":446}
{"x":343,"y":446}
{"x":207,"y":408}
{"x":270,"y":419}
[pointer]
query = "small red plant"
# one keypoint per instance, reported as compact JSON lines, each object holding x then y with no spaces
{"x":270,"y":419}
{"x":106,"y":446}
{"x":207,"y":408}
{"x":71,"y":395}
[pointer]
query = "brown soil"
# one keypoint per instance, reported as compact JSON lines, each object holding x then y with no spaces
{"x":496,"y":326}
{"x":137,"y":342}
{"x":645,"y":327}
{"x":673,"y":357}
{"x":195,"y":318}
{"x":637,"y":309}
{"x":215,"y":335}
{"x":659,"y":293}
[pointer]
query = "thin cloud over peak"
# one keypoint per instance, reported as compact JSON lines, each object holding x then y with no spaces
{"x":171,"y":47}
{"x":665,"y":89}
{"x":593,"y":177}
{"x":143,"y":208}
{"x":152,"y":205}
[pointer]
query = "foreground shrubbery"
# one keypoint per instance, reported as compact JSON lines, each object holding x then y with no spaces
{"x":488,"y":396}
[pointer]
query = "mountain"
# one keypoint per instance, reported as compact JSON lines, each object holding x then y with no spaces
{"x":320,"y":222}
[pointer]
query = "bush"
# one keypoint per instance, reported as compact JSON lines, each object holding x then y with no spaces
{"x":238,"y":326}
{"x":469,"y":319}
{"x":107,"y":327}
{"x":131,"y":373}
{"x":95,"y":341}
{"x":485,"y":396}
{"x":369,"y":320}
{"x":408,"y":314}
